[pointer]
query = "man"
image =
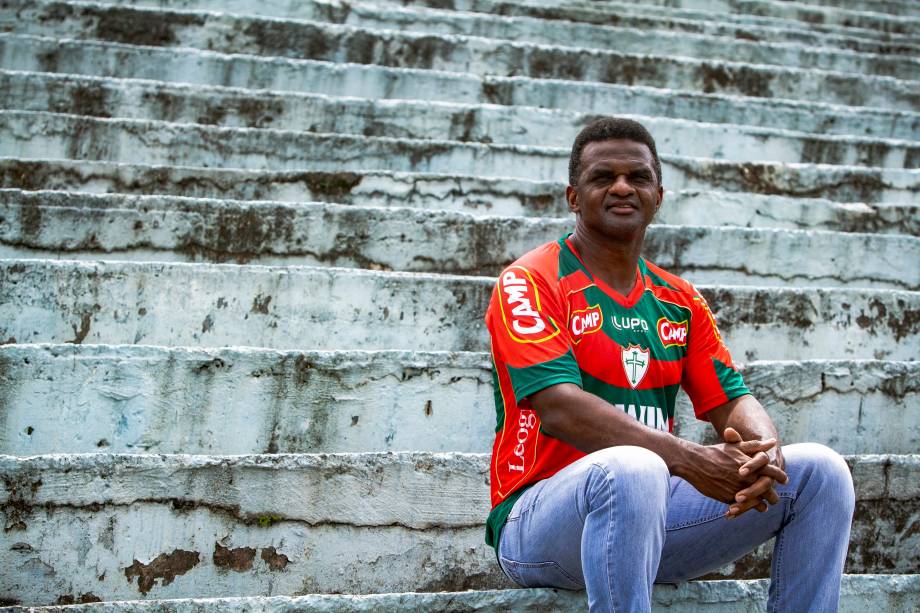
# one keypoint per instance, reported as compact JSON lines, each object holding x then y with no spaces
{"x":590,"y":343}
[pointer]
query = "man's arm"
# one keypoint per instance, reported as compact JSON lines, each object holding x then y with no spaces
{"x":744,"y":418}
{"x":589,"y":423}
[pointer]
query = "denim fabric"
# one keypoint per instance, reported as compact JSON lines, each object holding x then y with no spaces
{"x":615,"y":522}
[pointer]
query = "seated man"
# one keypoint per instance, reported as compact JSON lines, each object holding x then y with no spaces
{"x":589,"y":488}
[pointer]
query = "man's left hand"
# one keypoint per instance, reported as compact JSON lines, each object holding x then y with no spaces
{"x":768,"y":467}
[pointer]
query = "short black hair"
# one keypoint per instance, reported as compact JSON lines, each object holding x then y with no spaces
{"x":610,"y":128}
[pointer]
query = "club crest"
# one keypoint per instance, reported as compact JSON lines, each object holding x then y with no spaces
{"x":635,"y":364}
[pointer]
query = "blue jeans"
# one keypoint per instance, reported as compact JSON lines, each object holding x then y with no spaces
{"x":616,"y":521}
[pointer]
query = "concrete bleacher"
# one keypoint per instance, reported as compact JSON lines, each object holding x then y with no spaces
{"x":246,"y":247}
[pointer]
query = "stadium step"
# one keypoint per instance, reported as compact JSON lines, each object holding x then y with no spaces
{"x":38,"y":135}
{"x":565,"y":33}
{"x":767,"y":195}
{"x":352,"y":523}
{"x":42,"y":54}
{"x":146,"y":100}
{"x":136,"y":399}
{"x":416,"y":240}
{"x":46,"y":301}
{"x":858,"y":594}
{"x":478,"y":56}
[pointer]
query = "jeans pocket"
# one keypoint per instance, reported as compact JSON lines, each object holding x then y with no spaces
{"x":540,"y":574}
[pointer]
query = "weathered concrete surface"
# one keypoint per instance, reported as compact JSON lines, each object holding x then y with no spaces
{"x":328,"y":308}
{"x":892,"y":593}
{"x":568,"y":34}
{"x":91,"y":398}
{"x":491,"y":196}
{"x":546,"y":20}
{"x":364,"y":523}
{"x":173,"y":229}
{"x":234,"y":107}
{"x":40,"y":135}
{"x":465,"y":54}
{"x":381,"y":83}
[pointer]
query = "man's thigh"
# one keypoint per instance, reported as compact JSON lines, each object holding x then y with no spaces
{"x":699,"y":538}
{"x":540,"y":544}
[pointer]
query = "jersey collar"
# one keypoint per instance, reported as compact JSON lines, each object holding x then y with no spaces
{"x":627,"y":301}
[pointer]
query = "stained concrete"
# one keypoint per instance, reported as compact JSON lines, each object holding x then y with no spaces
{"x":92,"y":398}
{"x":169,"y":229}
{"x":379,"y":82}
{"x":295,"y":307}
{"x":235,"y":107}
{"x":502,"y":196}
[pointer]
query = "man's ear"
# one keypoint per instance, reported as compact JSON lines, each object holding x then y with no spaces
{"x":571,"y":196}
{"x":660,"y":199}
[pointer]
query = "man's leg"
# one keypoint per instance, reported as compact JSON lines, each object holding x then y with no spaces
{"x":599,"y":524}
{"x":811,"y":523}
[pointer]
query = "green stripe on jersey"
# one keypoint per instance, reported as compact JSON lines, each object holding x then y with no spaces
{"x":499,"y":401}
{"x":663,"y":398}
{"x":531,"y":379}
{"x":731,"y":380}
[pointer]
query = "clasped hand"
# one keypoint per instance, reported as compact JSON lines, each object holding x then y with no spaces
{"x":741,"y":473}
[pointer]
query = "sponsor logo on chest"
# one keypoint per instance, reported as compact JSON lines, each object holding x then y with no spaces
{"x":585,"y":321}
{"x":672,"y":333}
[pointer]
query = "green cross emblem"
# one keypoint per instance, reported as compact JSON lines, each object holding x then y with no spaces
{"x":635,"y":362}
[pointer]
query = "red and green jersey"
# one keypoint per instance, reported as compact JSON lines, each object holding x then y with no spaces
{"x":551,"y":321}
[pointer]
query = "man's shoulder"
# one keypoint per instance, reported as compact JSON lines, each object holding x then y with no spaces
{"x":666,"y":281}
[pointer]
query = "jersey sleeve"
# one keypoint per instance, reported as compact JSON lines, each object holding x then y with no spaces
{"x":526,"y":322}
{"x":709,"y":376}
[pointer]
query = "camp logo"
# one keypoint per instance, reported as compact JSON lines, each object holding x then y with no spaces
{"x":635,"y":364}
{"x":585,"y":321}
{"x":671,"y":333}
{"x":520,"y":307}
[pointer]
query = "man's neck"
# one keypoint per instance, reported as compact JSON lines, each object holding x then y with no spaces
{"x":614,"y":261}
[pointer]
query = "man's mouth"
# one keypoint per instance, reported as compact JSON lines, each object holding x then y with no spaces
{"x":621,"y":206}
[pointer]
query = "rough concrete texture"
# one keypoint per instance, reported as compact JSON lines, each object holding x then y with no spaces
{"x":543,"y":23}
{"x":858,"y":594}
{"x":382,"y":83}
{"x":91,"y":398}
{"x":40,"y":135}
{"x":452,"y":53}
{"x":235,"y":107}
{"x":355,"y":523}
{"x":170,"y":229}
{"x":491,"y":196}
{"x":295,"y":307}
{"x":568,"y":34}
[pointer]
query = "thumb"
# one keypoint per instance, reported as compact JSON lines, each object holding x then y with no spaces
{"x":731,"y":435}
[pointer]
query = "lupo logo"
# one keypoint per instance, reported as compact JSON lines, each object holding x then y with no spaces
{"x":672,"y":334}
{"x":520,"y":306}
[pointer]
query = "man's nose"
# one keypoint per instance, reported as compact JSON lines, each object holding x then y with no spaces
{"x":621,"y":187}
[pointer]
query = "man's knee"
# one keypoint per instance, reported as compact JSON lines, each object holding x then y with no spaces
{"x":824,"y":469}
{"x":629,"y":471}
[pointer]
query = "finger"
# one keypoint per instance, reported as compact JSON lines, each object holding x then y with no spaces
{"x":738,"y":509}
{"x":775,"y":472}
{"x":771,"y":496}
{"x":753,"y":465}
{"x":755,"y":491}
{"x":731,"y":436}
{"x":752,"y":447}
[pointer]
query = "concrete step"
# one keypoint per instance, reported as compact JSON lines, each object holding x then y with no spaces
{"x":36,"y":135}
{"x":484,"y":195}
{"x":78,"y":226}
{"x":564,"y":34}
{"x":195,"y":66}
{"x":893,"y":593}
{"x":892,"y":7}
{"x":232,"y":107}
{"x":136,"y":399}
{"x":479,"y":56}
{"x":180,"y":526}
{"x":638,"y":16}
{"x":769,"y":11}
{"x":325,"y":308}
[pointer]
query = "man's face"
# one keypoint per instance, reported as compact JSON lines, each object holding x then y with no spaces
{"x":617,"y":194}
